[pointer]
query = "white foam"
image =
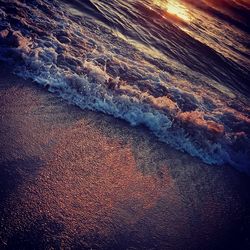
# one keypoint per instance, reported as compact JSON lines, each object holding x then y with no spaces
{"x":97,"y":73}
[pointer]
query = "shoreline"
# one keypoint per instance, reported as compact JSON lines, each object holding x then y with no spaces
{"x":75,"y":178}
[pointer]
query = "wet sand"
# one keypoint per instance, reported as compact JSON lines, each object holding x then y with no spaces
{"x":74,"y":179}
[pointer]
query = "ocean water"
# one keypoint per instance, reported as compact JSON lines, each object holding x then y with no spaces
{"x":180,"y":68}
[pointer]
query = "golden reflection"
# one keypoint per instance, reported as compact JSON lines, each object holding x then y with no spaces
{"x":173,"y":7}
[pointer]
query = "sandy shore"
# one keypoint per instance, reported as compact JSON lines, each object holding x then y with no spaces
{"x":74,"y":179}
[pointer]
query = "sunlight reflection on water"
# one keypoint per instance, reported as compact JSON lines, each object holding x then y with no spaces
{"x":174,"y":7}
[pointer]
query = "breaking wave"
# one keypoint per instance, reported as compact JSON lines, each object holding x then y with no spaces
{"x":191,"y":92}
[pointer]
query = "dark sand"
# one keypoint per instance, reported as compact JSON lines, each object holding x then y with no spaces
{"x":74,"y":179}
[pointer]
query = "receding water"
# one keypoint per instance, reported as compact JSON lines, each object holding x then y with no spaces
{"x":181,"y":68}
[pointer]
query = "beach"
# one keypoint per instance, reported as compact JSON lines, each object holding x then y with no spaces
{"x":77,"y":179}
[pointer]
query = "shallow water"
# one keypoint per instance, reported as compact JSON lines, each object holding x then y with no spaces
{"x":178,"y":67}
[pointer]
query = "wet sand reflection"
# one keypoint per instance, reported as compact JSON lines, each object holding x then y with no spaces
{"x":80,"y":180}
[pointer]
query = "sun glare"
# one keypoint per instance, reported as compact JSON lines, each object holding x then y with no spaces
{"x":173,"y":7}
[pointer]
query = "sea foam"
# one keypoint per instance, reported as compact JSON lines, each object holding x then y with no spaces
{"x":86,"y":64}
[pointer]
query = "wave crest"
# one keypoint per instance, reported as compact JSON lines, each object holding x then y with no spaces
{"x":89,"y":66}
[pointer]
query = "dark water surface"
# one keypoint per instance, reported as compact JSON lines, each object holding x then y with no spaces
{"x":180,"y":68}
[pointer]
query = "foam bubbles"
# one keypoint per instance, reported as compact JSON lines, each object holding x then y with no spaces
{"x":94,"y":70}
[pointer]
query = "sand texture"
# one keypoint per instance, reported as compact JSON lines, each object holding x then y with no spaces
{"x":75,"y":179}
